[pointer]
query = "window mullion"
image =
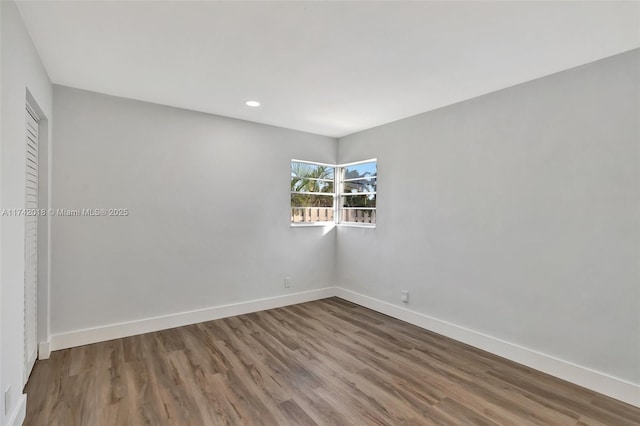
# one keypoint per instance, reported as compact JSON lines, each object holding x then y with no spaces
{"x":336,"y":194}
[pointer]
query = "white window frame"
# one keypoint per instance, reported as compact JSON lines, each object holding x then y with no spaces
{"x":337,"y":195}
{"x":340,"y":192}
{"x":311,"y":224}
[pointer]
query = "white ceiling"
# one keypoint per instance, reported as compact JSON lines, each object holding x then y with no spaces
{"x":331,"y":68}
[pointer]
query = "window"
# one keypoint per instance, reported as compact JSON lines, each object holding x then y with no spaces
{"x":323,"y":194}
{"x":358,"y":184}
{"x":312,"y":193}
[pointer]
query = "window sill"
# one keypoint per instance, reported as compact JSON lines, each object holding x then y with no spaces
{"x":358,"y":225}
{"x":331,"y":225}
{"x":312,"y":225}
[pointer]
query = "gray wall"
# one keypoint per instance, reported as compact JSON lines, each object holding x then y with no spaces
{"x":209,"y":211}
{"x":22,"y":77}
{"x":515,"y":214}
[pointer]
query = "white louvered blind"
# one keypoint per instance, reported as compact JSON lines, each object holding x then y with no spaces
{"x":31,"y":245}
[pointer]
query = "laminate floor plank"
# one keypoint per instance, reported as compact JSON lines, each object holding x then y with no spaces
{"x":295,"y":414}
{"x":327,"y":362}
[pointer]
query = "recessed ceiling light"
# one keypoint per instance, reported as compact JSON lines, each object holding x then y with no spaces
{"x":253,"y":103}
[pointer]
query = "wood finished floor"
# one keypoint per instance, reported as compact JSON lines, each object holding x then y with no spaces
{"x":327,"y":362}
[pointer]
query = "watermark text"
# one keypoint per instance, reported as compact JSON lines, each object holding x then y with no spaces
{"x":66,"y":212}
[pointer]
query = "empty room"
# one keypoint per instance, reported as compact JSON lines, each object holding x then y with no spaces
{"x":319,"y":213}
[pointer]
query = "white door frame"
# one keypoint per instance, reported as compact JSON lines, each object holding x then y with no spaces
{"x":31,"y":240}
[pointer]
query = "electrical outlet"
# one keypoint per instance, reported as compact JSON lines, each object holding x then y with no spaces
{"x":405,"y":296}
{"x":7,"y":399}
{"x":287,"y":282}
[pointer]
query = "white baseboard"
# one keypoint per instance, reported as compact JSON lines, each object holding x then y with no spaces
{"x":582,"y":376}
{"x":19,"y":412}
{"x":44,"y":350}
{"x":132,"y":328}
